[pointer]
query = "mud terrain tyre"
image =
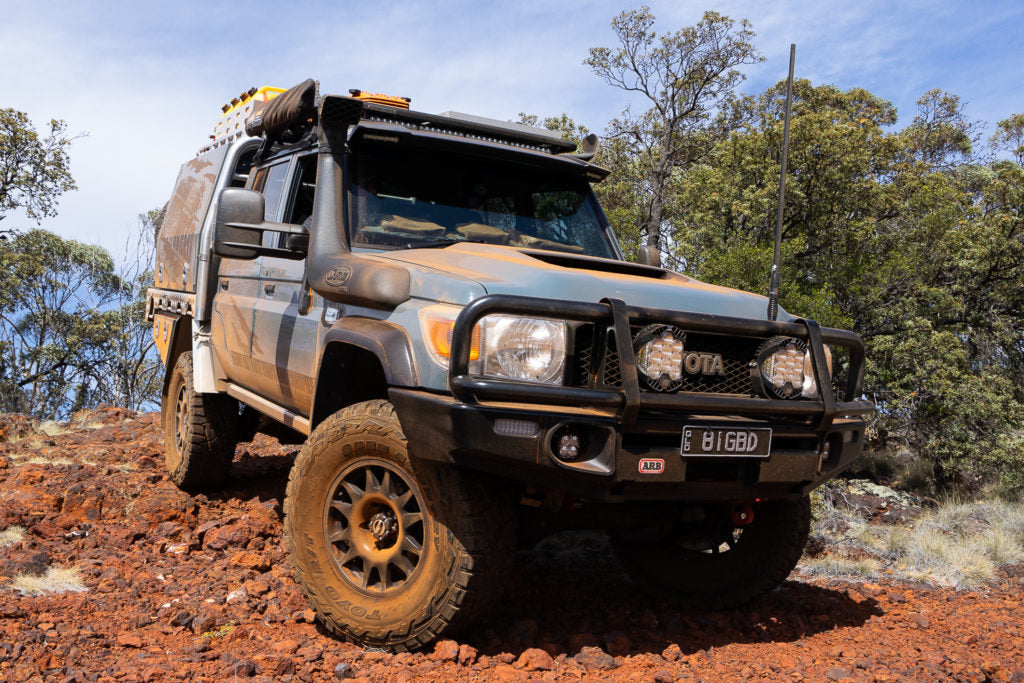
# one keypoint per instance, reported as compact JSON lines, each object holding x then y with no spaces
{"x":199,"y":431}
{"x":391,"y":552}
{"x":727,"y":566}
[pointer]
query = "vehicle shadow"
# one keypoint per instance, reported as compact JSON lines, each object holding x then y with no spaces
{"x":260,"y":470}
{"x":570,"y":592}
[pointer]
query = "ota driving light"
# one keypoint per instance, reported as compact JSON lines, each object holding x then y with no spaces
{"x":659,"y":355}
{"x":787,"y":369}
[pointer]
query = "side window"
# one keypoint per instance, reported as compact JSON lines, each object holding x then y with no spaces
{"x":240,"y":176}
{"x":300,"y":201}
{"x":271,"y":182}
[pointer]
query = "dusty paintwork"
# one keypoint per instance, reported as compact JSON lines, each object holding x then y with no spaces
{"x":178,"y":246}
{"x":508,"y":270}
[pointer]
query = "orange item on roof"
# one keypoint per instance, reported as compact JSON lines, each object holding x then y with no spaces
{"x":381,"y":98}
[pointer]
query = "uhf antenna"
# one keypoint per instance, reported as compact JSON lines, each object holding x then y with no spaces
{"x":773,"y":287}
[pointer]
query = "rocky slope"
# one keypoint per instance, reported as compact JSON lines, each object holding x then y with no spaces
{"x":160,"y":585}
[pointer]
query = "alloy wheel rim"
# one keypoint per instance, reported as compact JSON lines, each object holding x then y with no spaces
{"x":181,"y":423}
{"x":374,"y":527}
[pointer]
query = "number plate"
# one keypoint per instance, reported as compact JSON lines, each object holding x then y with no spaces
{"x":699,"y":441}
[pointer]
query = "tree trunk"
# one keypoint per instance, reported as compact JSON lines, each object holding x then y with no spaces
{"x":652,"y":226}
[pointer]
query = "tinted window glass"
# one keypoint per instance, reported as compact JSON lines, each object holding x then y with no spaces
{"x":272,"y":184}
{"x":300,"y":204}
{"x":404,"y":197}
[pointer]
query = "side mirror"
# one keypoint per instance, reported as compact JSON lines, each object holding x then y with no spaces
{"x":239,"y":212}
{"x":649,"y":256}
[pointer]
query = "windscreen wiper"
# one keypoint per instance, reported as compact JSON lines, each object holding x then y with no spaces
{"x":431,"y":244}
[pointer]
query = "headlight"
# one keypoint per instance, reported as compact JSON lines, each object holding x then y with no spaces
{"x":506,"y":346}
{"x":787,"y":370}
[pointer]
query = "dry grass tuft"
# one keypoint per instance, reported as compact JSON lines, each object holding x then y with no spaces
{"x":39,"y":460}
{"x":54,"y":580}
{"x":841,"y":567}
{"x":52,"y":428}
{"x":957,"y":545}
{"x":11,"y":535}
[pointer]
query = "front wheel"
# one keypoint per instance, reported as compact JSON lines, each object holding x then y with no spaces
{"x":391,"y":552}
{"x":709,"y":559}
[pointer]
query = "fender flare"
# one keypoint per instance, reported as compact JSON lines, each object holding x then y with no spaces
{"x":387,"y":341}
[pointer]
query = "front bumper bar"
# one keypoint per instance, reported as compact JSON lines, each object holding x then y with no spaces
{"x":812,"y":440}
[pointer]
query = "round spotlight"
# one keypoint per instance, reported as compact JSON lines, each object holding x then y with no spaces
{"x":659,"y":356}
{"x":786,"y":368}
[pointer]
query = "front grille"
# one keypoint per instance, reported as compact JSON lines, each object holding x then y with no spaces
{"x":737,"y":355}
{"x":597,"y":362}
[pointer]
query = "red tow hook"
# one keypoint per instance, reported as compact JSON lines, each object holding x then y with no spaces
{"x":742,"y":513}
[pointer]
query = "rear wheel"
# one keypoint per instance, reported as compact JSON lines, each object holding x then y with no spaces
{"x":711,"y":558}
{"x":391,"y":552}
{"x":199,"y":431}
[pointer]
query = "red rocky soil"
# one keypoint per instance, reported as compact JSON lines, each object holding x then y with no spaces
{"x":198,"y":588}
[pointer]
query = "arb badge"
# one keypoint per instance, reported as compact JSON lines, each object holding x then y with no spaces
{"x":651,"y":465}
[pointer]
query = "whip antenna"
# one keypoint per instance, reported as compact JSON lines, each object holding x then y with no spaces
{"x":773,"y":287}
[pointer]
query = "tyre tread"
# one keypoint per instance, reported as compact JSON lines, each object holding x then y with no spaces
{"x":484,"y":549}
{"x":212,"y":434}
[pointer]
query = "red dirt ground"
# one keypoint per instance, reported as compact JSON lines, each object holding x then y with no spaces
{"x":198,"y":588}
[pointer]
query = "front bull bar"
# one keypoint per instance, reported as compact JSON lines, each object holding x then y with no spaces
{"x":628,"y":401}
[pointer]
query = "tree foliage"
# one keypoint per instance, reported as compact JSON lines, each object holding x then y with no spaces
{"x":72,"y":326}
{"x":1010,"y":137}
{"x":52,"y":327}
{"x":34,"y":171}
{"x":681,"y":78}
{"x":910,"y":236}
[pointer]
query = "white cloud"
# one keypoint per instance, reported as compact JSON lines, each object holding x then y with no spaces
{"x":146,"y":80}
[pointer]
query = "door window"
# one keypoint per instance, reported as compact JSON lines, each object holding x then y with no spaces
{"x":271,"y":182}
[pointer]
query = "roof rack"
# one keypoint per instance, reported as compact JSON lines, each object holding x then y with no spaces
{"x":452,"y":123}
{"x":232,"y":120}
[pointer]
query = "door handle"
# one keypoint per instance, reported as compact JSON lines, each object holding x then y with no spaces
{"x":269,"y":287}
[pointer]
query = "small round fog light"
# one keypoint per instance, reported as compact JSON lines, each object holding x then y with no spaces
{"x":568,"y":445}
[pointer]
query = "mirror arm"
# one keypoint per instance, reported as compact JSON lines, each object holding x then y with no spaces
{"x":288,"y":228}
{"x":268,"y":251}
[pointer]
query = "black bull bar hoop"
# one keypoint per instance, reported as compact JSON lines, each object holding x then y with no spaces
{"x":629,"y":400}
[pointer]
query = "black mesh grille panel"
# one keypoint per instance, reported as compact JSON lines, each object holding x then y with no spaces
{"x":597,"y":363}
{"x":603,"y":369}
{"x":611,"y":373}
{"x":737,"y":354}
{"x":583,"y":352}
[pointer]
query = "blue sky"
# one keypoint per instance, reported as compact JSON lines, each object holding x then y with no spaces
{"x":146,"y":80}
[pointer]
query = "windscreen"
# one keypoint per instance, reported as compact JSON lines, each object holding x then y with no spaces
{"x":409,"y":198}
